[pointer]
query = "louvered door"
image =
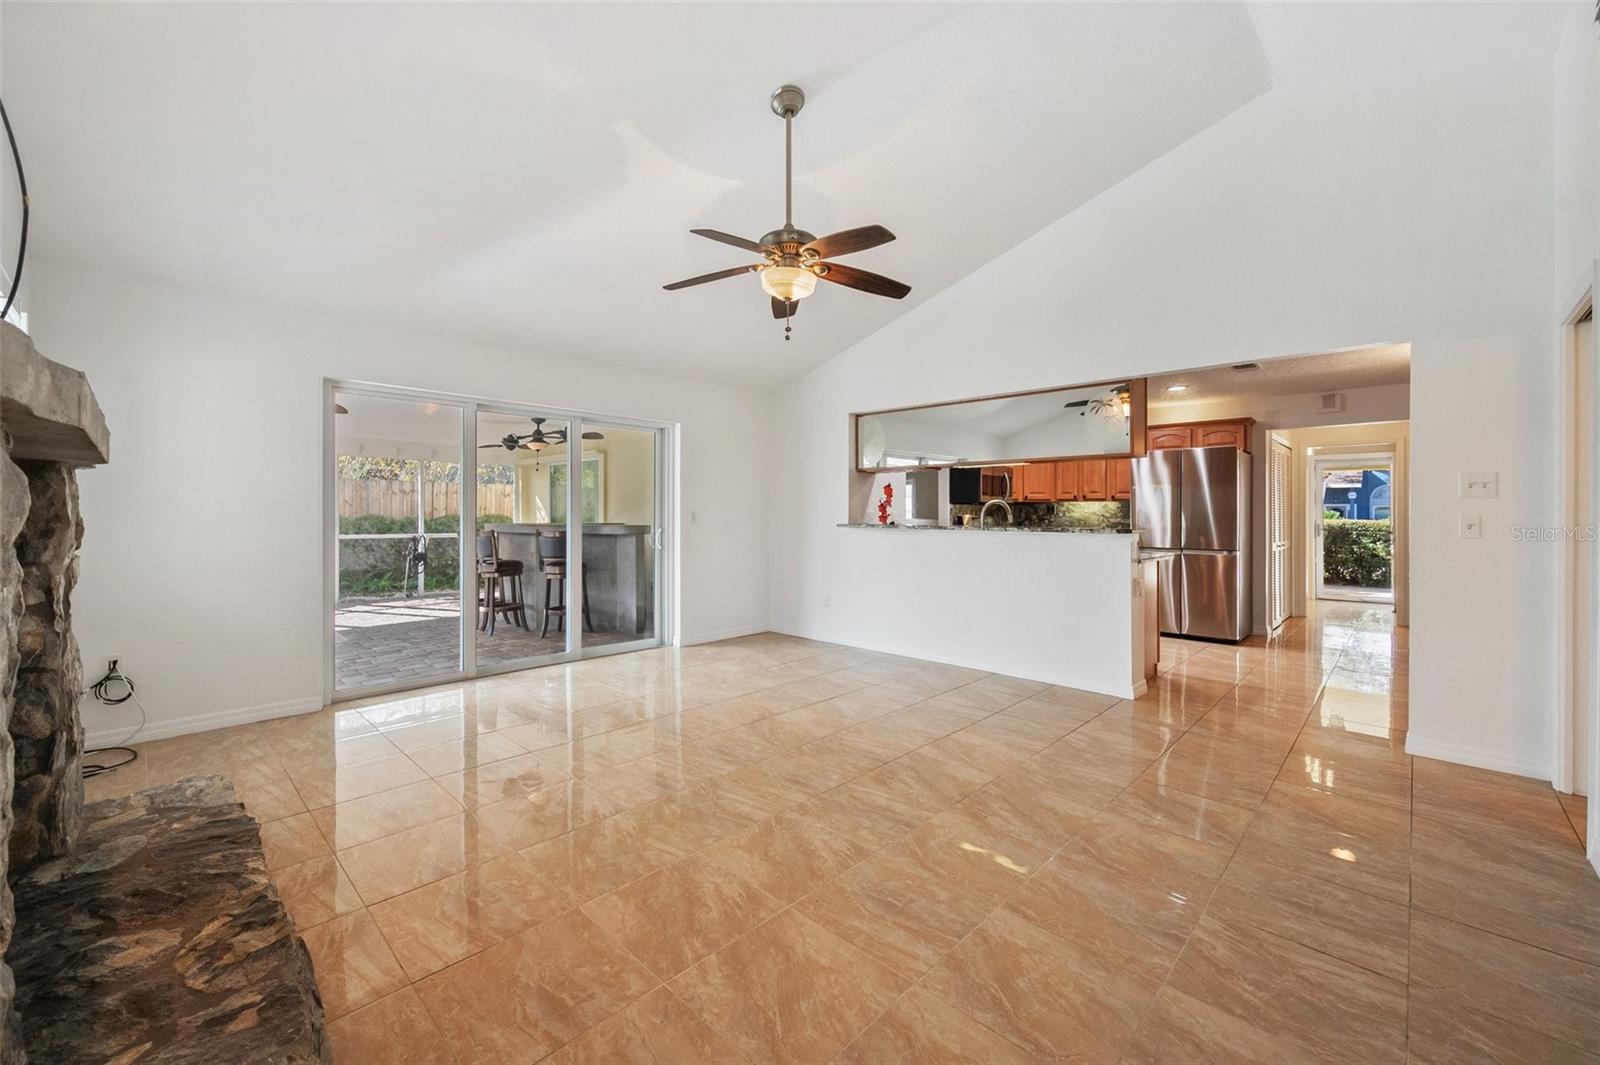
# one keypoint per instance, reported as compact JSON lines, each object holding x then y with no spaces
{"x":1278,"y":511}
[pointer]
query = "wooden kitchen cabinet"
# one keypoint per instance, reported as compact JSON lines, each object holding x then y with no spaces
{"x":1038,"y":482}
{"x":1092,"y":479}
{"x":1121,"y":478}
{"x":1066,"y":480}
{"x":1165,"y":436}
{"x":1234,"y":435}
{"x":1234,"y":432}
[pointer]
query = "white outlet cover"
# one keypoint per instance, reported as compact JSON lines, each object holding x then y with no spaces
{"x":1470,"y":527}
{"x":1480,"y":484}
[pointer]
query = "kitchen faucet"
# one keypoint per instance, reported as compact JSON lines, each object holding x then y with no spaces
{"x":983,"y":515}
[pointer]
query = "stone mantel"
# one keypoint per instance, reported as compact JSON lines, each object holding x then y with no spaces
{"x":48,"y":409}
{"x":50,"y":425}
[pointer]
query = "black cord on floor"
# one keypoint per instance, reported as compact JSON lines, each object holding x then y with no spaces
{"x":114,"y":689}
{"x":93,"y":769}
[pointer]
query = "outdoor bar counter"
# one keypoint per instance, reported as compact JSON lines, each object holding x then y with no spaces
{"x":618,"y":566}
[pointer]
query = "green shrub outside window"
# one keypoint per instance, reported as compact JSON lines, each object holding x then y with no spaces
{"x":1357,"y":552}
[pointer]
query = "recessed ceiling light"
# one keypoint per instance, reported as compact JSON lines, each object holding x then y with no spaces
{"x":1177,"y":388}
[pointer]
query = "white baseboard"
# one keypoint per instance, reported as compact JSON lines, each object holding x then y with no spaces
{"x":966,"y":663}
{"x":183,"y":726}
{"x":725,"y":634}
{"x":1445,"y":751}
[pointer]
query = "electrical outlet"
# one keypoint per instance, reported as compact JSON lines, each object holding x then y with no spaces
{"x":827,"y":602}
{"x":1470,"y":527}
{"x":1480,"y":484}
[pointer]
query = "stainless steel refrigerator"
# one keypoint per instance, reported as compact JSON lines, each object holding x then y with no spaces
{"x":1194,"y":517}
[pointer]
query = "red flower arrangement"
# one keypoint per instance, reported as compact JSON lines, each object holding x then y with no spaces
{"x":885,"y":503}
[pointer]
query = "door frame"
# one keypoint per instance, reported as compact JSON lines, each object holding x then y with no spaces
{"x":1366,"y":458}
{"x":1564,"y":755}
{"x":665,"y":538}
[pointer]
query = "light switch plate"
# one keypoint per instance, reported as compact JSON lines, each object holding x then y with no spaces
{"x":1480,"y":484}
{"x":1471,"y":527}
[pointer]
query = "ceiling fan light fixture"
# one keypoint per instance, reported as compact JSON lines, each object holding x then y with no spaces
{"x":536,"y":445}
{"x":788,"y":283}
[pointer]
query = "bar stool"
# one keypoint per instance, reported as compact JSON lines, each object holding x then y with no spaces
{"x":499,"y":585}
{"x":553,"y":564}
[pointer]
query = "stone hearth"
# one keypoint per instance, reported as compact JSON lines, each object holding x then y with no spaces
{"x":118,"y":959}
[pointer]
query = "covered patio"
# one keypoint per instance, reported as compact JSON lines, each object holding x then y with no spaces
{"x":385,"y":639}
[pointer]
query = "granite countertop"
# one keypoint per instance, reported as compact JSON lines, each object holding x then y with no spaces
{"x":991,"y":528}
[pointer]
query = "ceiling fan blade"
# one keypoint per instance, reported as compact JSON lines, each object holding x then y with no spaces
{"x":482,"y":447}
{"x":718,"y":276}
{"x":865,"y":280}
{"x":729,"y":238}
{"x":782,"y":309}
{"x":594,"y":436}
{"x":847,"y":241}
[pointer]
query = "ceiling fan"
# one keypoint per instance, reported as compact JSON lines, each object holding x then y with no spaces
{"x":793,"y":259}
{"x":1117,"y":407}
{"x":539,"y":439}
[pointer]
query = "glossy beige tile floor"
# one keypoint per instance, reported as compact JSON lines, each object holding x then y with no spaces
{"x":776,"y":850}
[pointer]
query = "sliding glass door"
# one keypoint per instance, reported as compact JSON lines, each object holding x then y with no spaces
{"x":619,"y":491}
{"x":566,"y":553}
{"x":397,"y":548}
{"x":524,"y":609}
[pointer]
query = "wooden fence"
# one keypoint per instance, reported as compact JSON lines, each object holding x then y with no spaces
{"x":398,"y":499}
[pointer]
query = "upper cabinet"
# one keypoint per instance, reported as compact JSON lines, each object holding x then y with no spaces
{"x":1163,"y":436}
{"x":1067,"y":480}
{"x":1038,"y":482}
{"x":1233,"y":432}
{"x":1121,"y":478}
{"x":1026,"y":427}
{"x":1092,"y":479}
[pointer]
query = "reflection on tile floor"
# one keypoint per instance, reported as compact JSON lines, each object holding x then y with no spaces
{"x":385,"y":641}
{"x":772,"y":849}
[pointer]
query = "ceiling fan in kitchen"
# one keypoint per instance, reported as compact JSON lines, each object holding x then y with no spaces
{"x":1116,"y":405}
{"x":537,"y":440}
{"x":791,"y":259}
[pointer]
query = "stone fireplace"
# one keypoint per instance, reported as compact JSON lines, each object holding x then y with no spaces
{"x":142,"y":928}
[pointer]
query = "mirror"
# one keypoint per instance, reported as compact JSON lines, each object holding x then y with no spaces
{"x":1084,"y":420}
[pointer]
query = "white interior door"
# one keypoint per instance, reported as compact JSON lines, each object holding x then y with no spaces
{"x":1279,"y":515}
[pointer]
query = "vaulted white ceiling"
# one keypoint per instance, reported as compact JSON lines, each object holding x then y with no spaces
{"x":528,"y":174}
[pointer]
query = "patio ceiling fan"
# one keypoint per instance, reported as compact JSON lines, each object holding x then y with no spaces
{"x":793,"y":259}
{"x":539,"y":439}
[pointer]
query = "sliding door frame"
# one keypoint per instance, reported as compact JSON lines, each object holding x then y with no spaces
{"x":664,"y":540}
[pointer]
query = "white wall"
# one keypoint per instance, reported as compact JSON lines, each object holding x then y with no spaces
{"x":1576,"y":103}
{"x":202,"y":555}
{"x":1322,"y":216}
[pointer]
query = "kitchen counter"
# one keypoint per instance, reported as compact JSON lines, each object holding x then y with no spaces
{"x":985,"y":528}
{"x":619,"y":569}
{"x":1060,"y":609}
